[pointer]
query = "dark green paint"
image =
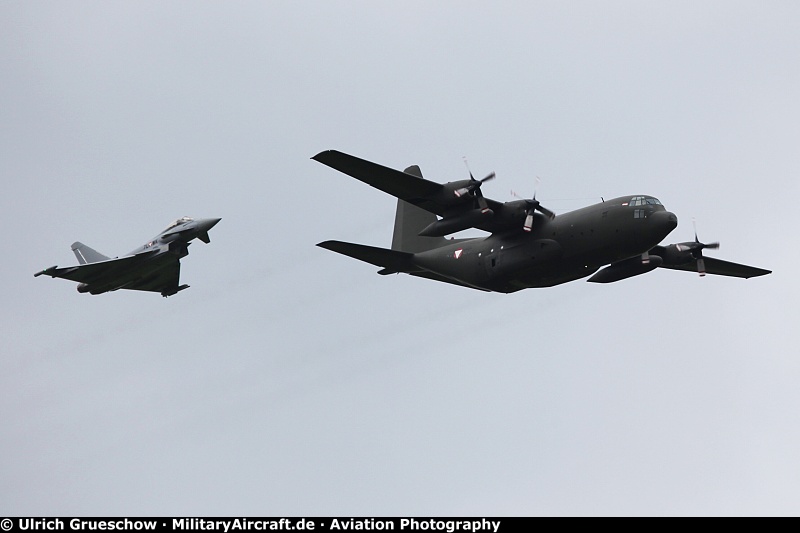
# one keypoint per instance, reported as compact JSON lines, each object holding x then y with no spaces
{"x":622,"y":233}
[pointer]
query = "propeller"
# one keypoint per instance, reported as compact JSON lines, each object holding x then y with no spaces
{"x":532,"y":206}
{"x":696,"y":249}
{"x":474,"y":187}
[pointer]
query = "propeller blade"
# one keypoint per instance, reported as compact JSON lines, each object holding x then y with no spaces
{"x":528,"y":222}
{"x":481,"y":200}
{"x":466,"y":164}
{"x":474,"y":187}
{"x":533,"y":205}
{"x":697,"y":248}
{"x":546,"y":212}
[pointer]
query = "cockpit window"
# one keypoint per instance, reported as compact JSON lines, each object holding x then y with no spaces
{"x":181,"y":220}
{"x":637,"y":201}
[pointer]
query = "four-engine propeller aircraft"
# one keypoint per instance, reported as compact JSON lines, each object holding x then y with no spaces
{"x":154,"y":266}
{"x":528,"y":245}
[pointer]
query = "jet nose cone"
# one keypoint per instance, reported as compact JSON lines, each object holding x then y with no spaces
{"x":202,"y":226}
{"x":205,"y":224}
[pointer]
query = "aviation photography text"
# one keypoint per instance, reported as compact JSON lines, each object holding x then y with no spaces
{"x":230,"y":525}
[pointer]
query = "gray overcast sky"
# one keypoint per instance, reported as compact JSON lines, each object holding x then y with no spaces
{"x":291,"y":380}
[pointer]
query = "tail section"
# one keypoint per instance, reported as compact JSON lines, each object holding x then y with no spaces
{"x":409,"y":220}
{"x":392,"y":261}
{"x":87,"y":255}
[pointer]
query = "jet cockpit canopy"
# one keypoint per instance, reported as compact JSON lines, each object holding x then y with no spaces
{"x":182,"y":220}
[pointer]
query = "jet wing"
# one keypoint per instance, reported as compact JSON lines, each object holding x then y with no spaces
{"x":164,"y":280}
{"x":90,"y":272}
{"x":413,"y":189}
{"x":715,"y":266}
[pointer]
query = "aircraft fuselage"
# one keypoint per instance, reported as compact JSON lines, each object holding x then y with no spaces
{"x":571,"y":246}
{"x":154,"y":266}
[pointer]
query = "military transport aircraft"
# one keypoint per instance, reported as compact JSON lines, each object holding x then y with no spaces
{"x":528,"y":245}
{"x":154,"y":266}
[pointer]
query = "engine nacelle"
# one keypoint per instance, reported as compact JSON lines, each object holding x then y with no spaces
{"x":449,"y":196}
{"x":677,"y":254}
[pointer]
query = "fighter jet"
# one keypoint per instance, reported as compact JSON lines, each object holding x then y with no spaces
{"x":528,"y":245}
{"x":154,"y":266}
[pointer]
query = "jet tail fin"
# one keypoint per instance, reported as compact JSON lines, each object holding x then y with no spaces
{"x":409,"y":220}
{"x":87,"y":255}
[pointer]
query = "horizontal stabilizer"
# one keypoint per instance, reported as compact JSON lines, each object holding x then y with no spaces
{"x":87,"y":255}
{"x":390,"y":260}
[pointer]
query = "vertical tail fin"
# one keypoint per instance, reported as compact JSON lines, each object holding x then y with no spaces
{"x":87,"y":255}
{"x":409,"y":220}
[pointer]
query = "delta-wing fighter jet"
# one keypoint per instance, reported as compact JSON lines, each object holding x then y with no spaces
{"x":528,"y":245}
{"x":154,"y":266}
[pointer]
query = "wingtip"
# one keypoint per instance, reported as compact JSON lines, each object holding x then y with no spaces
{"x":758,"y":272}
{"x":320,"y":156}
{"x":45,"y":271}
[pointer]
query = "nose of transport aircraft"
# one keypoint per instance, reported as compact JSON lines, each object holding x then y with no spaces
{"x":665,"y":221}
